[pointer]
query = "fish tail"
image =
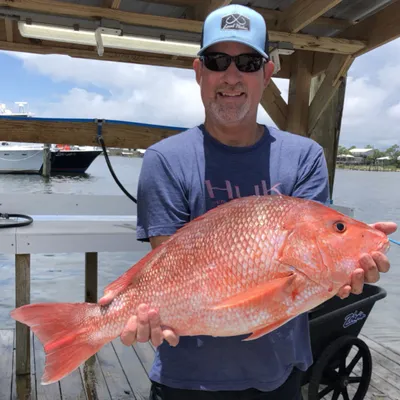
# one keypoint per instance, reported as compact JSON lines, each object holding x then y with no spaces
{"x":67,"y":340}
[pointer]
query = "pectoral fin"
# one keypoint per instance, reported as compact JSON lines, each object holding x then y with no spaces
{"x":267,"y":329}
{"x":274,"y":290}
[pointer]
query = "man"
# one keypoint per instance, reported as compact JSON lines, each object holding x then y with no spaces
{"x":229,"y":155}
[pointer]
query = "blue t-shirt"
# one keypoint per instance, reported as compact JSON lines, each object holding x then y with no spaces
{"x":187,"y":174}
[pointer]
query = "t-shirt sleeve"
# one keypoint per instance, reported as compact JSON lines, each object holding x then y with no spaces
{"x":162,"y":204}
{"x":312,"y":177}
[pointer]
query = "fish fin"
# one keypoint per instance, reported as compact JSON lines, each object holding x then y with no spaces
{"x":275,"y":289}
{"x":127,"y":278}
{"x":267,"y":329}
{"x":66,"y":340}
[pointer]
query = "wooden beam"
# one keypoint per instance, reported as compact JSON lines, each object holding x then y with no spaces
{"x":299,"y":93}
{"x":299,"y":41}
{"x":38,"y":130}
{"x":115,"y":4}
{"x":135,"y":57}
{"x":81,"y":11}
{"x":321,"y":62}
{"x":272,"y":17}
{"x":335,"y":72}
{"x":9,"y":25}
{"x":327,"y":130}
{"x":376,"y":30}
{"x":109,"y":55}
{"x":201,"y":10}
{"x":275,"y":105}
{"x":301,"y":13}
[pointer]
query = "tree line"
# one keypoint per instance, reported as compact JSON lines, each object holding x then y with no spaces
{"x":393,"y":152}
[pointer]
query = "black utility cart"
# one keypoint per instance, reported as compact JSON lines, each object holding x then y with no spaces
{"x":337,"y":350}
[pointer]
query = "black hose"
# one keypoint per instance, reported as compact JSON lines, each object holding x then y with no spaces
{"x":28,"y":221}
{"x":101,"y":141}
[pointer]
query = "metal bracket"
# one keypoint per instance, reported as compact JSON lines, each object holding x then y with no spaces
{"x":99,"y":40}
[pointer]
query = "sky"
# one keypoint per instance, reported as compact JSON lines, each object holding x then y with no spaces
{"x":64,"y":87}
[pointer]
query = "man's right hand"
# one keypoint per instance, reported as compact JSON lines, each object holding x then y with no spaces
{"x":144,"y":327}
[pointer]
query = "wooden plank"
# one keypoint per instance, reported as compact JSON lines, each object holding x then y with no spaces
{"x":6,"y":360}
{"x":337,"y":69}
{"x":82,"y":11}
{"x":116,"y":380}
{"x":22,"y":297}
{"x":201,"y":10}
{"x":8,"y":239}
{"x":9,"y":25}
{"x":24,"y":386}
{"x":48,"y":47}
{"x":78,"y":237}
{"x":275,"y":105}
{"x":59,"y":205}
{"x":145,"y":352}
{"x":133,"y":369}
{"x":328,"y":127}
{"x":72,"y":388}
{"x":299,"y":93}
{"x":299,"y":41}
{"x":44,"y":392}
{"x":271,"y":16}
{"x":112,"y":3}
{"x":93,"y":379}
{"x":301,"y":13}
{"x":123,"y":135}
{"x":376,"y":30}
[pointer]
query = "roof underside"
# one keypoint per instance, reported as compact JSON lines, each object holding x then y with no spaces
{"x":347,"y":11}
{"x":324,"y":26}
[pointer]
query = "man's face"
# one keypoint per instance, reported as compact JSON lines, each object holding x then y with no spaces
{"x":230,"y":96}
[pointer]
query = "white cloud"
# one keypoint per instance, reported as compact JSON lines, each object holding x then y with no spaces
{"x":169,"y":96}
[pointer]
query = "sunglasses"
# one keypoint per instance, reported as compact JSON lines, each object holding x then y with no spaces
{"x":244,"y":62}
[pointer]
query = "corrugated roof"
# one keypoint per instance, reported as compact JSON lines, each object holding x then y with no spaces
{"x":351,"y":10}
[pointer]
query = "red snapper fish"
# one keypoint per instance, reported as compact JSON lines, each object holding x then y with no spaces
{"x":245,"y":267}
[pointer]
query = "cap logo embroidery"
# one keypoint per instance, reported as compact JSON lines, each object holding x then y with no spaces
{"x":235,"y":21}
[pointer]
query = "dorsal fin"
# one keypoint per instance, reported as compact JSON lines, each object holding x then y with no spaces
{"x":127,"y":278}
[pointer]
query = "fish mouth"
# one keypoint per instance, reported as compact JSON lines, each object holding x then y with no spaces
{"x":384,"y":247}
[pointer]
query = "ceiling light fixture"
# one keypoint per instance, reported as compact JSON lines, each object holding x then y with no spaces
{"x":107,"y":38}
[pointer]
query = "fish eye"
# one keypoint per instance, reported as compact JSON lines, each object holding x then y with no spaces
{"x":340,"y":226}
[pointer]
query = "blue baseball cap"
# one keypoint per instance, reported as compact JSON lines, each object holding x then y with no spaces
{"x":235,"y":23}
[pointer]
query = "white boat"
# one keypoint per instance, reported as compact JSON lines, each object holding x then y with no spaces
{"x":19,"y":158}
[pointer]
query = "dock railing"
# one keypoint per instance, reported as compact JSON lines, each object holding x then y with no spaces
{"x":64,"y":223}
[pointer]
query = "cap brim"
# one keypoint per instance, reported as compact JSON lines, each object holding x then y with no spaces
{"x":236,"y":40}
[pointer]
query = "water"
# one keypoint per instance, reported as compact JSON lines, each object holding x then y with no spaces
{"x":373,"y":195}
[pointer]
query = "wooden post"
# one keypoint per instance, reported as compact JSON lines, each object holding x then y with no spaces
{"x":46,"y":170}
{"x":299,"y":92}
{"x":22,"y":297}
{"x":327,"y":129}
{"x":91,"y":266}
{"x":91,"y":277}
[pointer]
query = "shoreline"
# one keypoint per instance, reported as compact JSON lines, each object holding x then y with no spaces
{"x":374,"y":168}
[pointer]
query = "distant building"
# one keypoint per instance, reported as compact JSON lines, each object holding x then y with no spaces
{"x":362,"y":152}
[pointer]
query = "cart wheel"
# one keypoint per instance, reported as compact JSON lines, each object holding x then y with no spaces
{"x":333,"y":375}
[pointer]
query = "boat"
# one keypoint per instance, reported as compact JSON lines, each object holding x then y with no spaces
{"x":27,"y":158}
{"x":72,"y":159}
{"x":19,"y":158}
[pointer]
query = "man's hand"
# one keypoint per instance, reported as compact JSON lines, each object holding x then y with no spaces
{"x":370,"y":265}
{"x":144,"y":327}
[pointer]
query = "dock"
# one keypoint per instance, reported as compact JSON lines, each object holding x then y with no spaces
{"x":120,"y":372}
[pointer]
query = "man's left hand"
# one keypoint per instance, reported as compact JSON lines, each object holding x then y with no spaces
{"x":370,"y":265}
